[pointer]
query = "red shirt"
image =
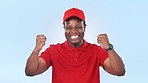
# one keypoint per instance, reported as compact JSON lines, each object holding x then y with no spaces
{"x":75,"y":65}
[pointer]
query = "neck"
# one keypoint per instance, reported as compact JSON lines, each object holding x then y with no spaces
{"x":76,"y":45}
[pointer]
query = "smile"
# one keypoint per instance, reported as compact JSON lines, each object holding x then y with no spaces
{"x":74,"y":37}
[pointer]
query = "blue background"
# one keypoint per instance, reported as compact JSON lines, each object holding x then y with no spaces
{"x":125,"y":22}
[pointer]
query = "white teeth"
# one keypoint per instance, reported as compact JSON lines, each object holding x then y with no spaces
{"x":74,"y":37}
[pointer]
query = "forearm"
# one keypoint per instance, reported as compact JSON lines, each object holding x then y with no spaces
{"x":32,"y":63}
{"x":116,"y":63}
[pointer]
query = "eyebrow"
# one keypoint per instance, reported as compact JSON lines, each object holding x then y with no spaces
{"x":66,"y":23}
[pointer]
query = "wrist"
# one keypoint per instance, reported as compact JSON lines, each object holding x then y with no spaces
{"x":36,"y":50}
{"x":110,"y":47}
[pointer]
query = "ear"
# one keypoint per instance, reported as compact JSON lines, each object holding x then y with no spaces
{"x":84,"y":28}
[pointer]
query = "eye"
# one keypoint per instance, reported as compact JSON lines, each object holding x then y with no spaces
{"x":78,"y":27}
{"x":68,"y":28}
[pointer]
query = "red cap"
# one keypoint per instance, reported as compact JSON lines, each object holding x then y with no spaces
{"x":74,"y":12}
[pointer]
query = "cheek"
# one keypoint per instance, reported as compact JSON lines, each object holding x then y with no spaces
{"x":66,"y":35}
{"x":82,"y":35}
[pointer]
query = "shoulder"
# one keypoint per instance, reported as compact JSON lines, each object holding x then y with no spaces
{"x":93,"y":45}
{"x":55,"y":46}
{"x":96,"y":47}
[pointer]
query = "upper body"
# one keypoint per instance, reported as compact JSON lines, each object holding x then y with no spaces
{"x":75,"y":65}
{"x":75,"y":59}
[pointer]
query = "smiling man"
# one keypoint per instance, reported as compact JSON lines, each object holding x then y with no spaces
{"x":75,"y":60}
{"x":74,"y":31}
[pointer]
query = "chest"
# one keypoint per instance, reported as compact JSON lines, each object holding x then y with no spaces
{"x":74,"y":57}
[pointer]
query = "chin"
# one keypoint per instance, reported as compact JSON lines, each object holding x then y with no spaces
{"x":74,"y":41}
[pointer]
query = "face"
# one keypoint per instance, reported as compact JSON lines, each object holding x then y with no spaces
{"x":74,"y":31}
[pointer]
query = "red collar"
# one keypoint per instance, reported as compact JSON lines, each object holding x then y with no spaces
{"x":82,"y":47}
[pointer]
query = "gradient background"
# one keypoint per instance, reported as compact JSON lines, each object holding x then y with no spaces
{"x":125,"y":22}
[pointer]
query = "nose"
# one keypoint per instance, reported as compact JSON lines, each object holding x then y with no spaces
{"x":74,"y":30}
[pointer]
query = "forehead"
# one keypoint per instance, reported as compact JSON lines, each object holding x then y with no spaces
{"x":73,"y":20}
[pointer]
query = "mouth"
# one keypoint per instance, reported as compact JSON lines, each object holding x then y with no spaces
{"x":74,"y":37}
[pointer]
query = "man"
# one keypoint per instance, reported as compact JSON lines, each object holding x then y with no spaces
{"x":75,"y":60}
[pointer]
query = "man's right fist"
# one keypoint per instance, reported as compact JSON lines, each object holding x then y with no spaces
{"x":40,"y":41}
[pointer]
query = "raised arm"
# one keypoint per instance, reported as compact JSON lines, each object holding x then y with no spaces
{"x":36,"y":65}
{"x":113,"y":64}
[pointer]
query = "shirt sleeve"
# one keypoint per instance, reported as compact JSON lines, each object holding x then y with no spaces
{"x":103,"y":55}
{"x":46,"y":56}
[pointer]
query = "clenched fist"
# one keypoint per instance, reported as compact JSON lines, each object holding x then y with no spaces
{"x":40,"y":41}
{"x":103,"y":40}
